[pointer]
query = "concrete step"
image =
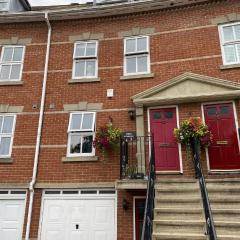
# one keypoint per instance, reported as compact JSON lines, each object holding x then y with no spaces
{"x":173,"y":236}
{"x":178,"y":214}
{"x":231,"y":215}
{"x":164,"y":202}
{"x":227,"y":228}
{"x":228,"y":237}
{"x":176,"y":195}
{"x":181,"y":226}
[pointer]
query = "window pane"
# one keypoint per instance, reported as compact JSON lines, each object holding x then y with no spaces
{"x":17,"y":56}
{"x":75,"y":144}
{"x":156,"y":115}
{"x":142,"y":64}
{"x":3,"y":6}
{"x":80,"y":50}
{"x":5,"y":145}
{"x":91,"y":49}
{"x":76,"y":121}
{"x":15,"y":73}
{"x":237,"y":31}
{"x":87,"y":144}
{"x":230,"y":54}
{"x":212,"y":111}
{"x":87,"y":121}
{"x":5,"y":71}
{"x":228,"y":34}
{"x":7,"y":54}
{"x":142,"y":44}
{"x":238,"y":51}
{"x":7,"y":124}
{"x":131,"y":65}
{"x":90,"y":71}
{"x":130,"y":45}
{"x":80,"y":69}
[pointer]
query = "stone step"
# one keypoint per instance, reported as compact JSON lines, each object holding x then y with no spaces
{"x":177,"y":195}
{"x":173,"y":236}
{"x":163,"y":202}
{"x":178,"y":214}
{"x":228,"y":237}
{"x":231,"y":215}
{"x":227,"y":228}
{"x":224,"y":199}
{"x":173,"y":188}
{"x":182,"y":226}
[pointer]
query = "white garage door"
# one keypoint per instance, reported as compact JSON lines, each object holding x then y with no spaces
{"x":11,"y":218}
{"x":78,"y":218}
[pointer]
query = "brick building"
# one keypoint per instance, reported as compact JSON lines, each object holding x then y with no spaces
{"x":144,"y":66}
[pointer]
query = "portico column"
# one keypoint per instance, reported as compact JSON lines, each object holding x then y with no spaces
{"x":141,"y":141}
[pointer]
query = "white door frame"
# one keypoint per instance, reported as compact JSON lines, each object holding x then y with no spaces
{"x":236,"y":125}
{"x":134,"y":215}
{"x":77,"y":197}
{"x":178,"y":124}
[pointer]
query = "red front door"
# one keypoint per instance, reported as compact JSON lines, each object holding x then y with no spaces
{"x":163,"y":121}
{"x":139,"y":216}
{"x":224,"y":152}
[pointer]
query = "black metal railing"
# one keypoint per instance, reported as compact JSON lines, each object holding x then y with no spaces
{"x":134,"y":157}
{"x":149,"y":205}
{"x":206,"y":204}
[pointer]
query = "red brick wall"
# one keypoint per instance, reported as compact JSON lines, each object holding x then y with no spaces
{"x":184,"y":41}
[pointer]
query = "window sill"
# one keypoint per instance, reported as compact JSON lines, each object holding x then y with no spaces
{"x":84,"y":80}
{"x":80,"y":159}
{"x":3,"y":83}
{"x":137,"y":76}
{"x":230,"y":66}
{"x":6,"y":160}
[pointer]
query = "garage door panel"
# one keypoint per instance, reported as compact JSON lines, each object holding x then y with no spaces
{"x":84,"y":219}
{"x":11,"y":219}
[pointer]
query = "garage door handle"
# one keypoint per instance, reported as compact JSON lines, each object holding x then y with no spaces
{"x":77,"y":226}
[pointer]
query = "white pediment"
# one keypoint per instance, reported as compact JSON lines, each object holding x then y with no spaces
{"x":188,"y":87}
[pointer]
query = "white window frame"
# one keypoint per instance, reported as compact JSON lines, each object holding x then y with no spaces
{"x":12,"y":62}
{"x":7,"y":134}
{"x":84,"y":58}
{"x":8,"y":5}
{"x":86,"y":132}
{"x":222,"y":43}
{"x":136,"y":54}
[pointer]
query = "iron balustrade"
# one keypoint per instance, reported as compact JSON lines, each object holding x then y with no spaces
{"x":147,"y":229}
{"x":134,"y":157}
{"x":195,"y":144}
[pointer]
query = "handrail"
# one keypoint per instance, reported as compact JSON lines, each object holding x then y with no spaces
{"x":147,"y":228}
{"x":206,"y":204}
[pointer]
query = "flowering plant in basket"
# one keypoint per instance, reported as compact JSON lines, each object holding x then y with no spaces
{"x":193,"y":128}
{"x":107,"y":137}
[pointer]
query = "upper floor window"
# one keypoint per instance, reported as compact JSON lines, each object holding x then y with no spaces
{"x":11,"y":63}
{"x":230,"y":43}
{"x":136,"y":55}
{"x":81,"y":132}
{"x":4,"y":5}
{"x":7,"y":125}
{"x":85,"y":61}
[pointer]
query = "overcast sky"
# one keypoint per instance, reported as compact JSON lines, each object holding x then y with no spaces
{"x":52,"y":2}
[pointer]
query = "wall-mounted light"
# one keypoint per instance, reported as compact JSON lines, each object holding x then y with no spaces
{"x":125,"y":204}
{"x":132,"y":114}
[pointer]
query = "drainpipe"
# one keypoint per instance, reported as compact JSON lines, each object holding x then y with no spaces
{"x":39,"y":132}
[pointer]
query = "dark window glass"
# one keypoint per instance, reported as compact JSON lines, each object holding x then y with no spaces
{"x":224,"y":110}
{"x":212,"y":111}
{"x":156,"y":115}
{"x":168,"y":115}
